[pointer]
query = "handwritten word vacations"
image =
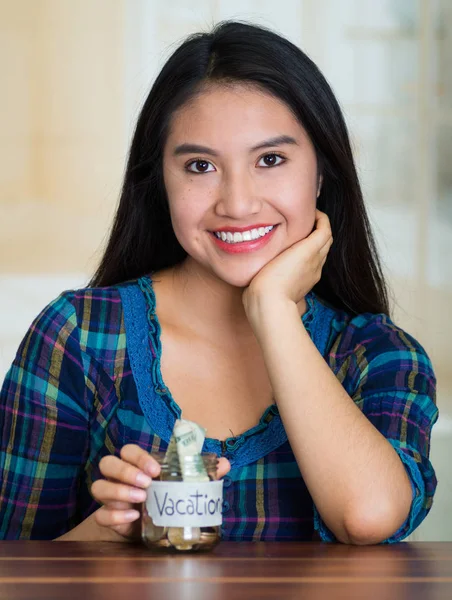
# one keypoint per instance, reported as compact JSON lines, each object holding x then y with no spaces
{"x":194,"y":504}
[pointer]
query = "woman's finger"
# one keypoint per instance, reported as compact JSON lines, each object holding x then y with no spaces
{"x":321,"y":234}
{"x":133,"y":454}
{"x":118,"y":471}
{"x":326,"y":247}
{"x":107,"y":517}
{"x":224,"y":466}
{"x":323,"y":224}
{"x":115,"y":469}
{"x":121,"y":505}
{"x":106,"y":491}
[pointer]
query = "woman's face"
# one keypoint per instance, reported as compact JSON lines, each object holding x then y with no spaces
{"x":229,"y":184}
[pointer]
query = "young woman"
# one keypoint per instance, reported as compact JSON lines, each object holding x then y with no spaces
{"x":222,"y":298}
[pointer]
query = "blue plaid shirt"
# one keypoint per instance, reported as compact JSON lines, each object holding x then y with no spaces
{"x":86,"y":380}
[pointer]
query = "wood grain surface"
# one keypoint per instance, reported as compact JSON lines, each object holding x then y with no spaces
{"x":233,"y":571}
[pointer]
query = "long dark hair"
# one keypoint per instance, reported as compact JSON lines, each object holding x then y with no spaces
{"x":142,"y":238}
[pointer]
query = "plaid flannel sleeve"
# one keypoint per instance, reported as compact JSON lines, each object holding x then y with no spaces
{"x":391,"y":378}
{"x":43,"y":427}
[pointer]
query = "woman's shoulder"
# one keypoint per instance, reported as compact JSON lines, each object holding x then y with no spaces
{"x":372,"y":345}
{"x":94,"y":315}
{"x":371,"y":335}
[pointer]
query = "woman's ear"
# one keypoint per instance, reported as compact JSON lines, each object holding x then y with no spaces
{"x":319,"y":187}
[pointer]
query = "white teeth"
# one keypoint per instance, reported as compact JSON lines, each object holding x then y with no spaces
{"x":245,"y":236}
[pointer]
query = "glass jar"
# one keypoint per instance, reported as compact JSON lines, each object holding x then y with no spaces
{"x":183,"y":512}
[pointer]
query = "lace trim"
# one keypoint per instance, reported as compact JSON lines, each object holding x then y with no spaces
{"x":155,"y":397}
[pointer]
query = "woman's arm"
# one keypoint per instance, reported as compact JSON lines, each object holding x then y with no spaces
{"x":44,"y":416}
{"x":87,"y":531}
{"x":355,"y":477}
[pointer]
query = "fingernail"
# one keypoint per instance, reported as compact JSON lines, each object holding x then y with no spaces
{"x":137,"y":495}
{"x":131,"y":515}
{"x":152,"y":468}
{"x":143,"y":480}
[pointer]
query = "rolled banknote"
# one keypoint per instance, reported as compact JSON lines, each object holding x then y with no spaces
{"x":190,"y":438}
{"x":187,"y":438}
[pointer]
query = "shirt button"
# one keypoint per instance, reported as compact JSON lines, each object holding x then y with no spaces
{"x":227,"y":481}
{"x":226,"y":506}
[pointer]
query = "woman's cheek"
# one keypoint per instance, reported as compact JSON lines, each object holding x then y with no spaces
{"x":300,"y":222}
{"x":185,"y":222}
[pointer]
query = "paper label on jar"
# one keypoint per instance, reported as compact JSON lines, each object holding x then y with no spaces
{"x":185,"y":504}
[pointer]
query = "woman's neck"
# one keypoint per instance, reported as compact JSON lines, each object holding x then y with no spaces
{"x":206,"y":304}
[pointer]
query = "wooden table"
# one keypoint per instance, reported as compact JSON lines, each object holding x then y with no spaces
{"x":233,"y":571}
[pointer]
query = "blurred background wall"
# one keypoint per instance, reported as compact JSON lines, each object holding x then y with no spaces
{"x":75,"y":74}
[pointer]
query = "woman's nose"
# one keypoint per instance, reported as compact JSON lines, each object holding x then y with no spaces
{"x":238,"y":198}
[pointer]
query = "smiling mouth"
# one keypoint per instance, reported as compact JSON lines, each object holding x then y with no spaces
{"x":252,"y":235}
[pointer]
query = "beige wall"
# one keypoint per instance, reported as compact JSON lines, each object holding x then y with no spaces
{"x":62,"y":130}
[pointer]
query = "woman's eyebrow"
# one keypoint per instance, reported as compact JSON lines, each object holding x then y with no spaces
{"x":194,"y":148}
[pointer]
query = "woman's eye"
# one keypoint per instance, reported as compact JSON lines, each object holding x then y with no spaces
{"x":199,"y":163}
{"x":273,"y":156}
{"x":202,"y":165}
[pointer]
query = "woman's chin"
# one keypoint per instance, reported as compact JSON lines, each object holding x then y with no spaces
{"x":236,"y":275}
{"x":240,"y":278}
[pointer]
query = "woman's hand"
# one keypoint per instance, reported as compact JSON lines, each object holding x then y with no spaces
{"x":124,"y":489}
{"x":294,"y":272}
